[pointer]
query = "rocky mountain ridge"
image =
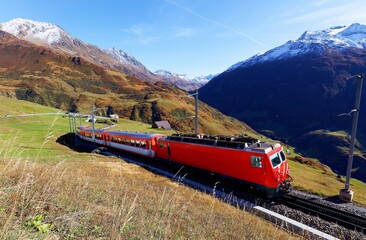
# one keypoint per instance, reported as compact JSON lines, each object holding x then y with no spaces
{"x":50,"y":35}
{"x":334,"y":38}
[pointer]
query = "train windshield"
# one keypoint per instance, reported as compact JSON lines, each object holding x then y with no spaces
{"x":283,"y":157}
{"x":275,"y":160}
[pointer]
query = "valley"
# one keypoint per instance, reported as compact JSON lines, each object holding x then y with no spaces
{"x":292,"y":94}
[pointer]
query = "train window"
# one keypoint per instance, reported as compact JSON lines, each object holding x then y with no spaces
{"x":123,"y":141}
{"x":137,"y":143}
{"x":221,"y":143}
{"x":143,"y":144}
{"x":256,"y":161}
{"x":132,"y":142}
{"x":283,"y":157}
{"x":128,"y":141}
{"x":275,"y":160}
{"x":161,"y":144}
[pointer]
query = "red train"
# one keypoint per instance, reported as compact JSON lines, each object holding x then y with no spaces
{"x":261,"y":165}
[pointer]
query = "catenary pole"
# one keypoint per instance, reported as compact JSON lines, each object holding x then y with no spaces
{"x":346,"y":194}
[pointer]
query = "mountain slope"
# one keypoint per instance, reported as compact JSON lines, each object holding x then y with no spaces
{"x":53,"y":78}
{"x":297,"y":88}
{"x":52,"y":36}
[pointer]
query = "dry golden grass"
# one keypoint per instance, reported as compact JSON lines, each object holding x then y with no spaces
{"x":106,"y":198}
{"x":323,"y":182}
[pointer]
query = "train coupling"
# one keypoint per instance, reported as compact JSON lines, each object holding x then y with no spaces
{"x":286,"y":185}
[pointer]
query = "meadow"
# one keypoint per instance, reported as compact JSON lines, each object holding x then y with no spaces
{"x":49,"y":191}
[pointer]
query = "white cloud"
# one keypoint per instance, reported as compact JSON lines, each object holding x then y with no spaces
{"x":145,"y":34}
{"x":140,"y":33}
{"x":138,"y":29}
{"x":318,"y":3}
{"x":183,"y":32}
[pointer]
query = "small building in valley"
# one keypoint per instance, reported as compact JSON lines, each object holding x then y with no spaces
{"x":162,"y":124}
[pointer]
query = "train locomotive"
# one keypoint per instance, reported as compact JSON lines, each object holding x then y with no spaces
{"x":257,"y":164}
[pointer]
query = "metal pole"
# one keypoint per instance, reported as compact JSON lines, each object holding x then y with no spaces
{"x":346,"y":193}
{"x":75,"y":124}
{"x":196,"y":113}
{"x":92,"y":116}
{"x":69,"y":121}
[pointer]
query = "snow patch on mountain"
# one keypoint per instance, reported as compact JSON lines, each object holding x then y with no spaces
{"x":203,"y":78}
{"x":33,"y":30}
{"x":123,"y":57}
{"x":198,"y":79}
{"x":336,"y":38}
{"x":50,"y":35}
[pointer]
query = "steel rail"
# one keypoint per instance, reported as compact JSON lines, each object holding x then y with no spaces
{"x":341,"y":217}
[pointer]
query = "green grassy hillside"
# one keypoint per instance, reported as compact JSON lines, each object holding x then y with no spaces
{"x":333,"y":147}
{"x":48,"y":191}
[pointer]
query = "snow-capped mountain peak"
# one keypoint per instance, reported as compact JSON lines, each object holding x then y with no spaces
{"x":34,"y":30}
{"x":123,"y":57}
{"x":183,"y":81}
{"x":201,"y":79}
{"x":336,"y":38}
{"x":52,"y":36}
{"x":166,"y":73}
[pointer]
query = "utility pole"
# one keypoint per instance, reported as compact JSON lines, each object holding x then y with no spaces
{"x":74,"y":125}
{"x":69,"y":121}
{"x":346,"y":194}
{"x":92,"y":119}
{"x":195,"y":112}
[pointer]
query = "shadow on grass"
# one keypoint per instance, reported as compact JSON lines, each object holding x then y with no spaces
{"x":71,"y":141}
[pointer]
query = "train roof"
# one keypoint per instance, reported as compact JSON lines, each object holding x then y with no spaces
{"x":264,"y":147}
{"x":135,"y":134}
{"x":123,"y":133}
{"x":234,"y":142}
{"x":91,"y":130}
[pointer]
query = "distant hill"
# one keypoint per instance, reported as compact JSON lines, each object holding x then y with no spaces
{"x":296,"y":91}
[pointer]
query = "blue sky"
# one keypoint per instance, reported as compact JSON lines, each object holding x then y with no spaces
{"x":188,"y":36}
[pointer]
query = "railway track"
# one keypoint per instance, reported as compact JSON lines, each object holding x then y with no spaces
{"x":341,"y":217}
